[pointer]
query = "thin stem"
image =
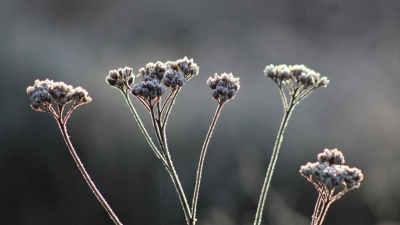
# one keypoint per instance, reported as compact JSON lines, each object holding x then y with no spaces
{"x":272,"y":163}
{"x":316,"y":209}
{"x":170,"y":167}
{"x":144,"y":131}
{"x":201,"y":162}
{"x":175,"y":94}
{"x":324,"y":210}
{"x":85,"y":175}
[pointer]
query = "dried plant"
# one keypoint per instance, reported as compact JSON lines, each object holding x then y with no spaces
{"x":46,"y":93}
{"x":327,"y":175}
{"x":156,"y":79}
{"x":299,"y":81}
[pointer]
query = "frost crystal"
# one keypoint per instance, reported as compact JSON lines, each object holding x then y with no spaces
{"x":224,"y":87}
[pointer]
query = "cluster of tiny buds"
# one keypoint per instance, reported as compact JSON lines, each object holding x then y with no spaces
{"x":152,"y":71}
{"x":301,"y":75}
{"x":43,"y":92}
{"x":224,"y":87}
{"x":156,"y":77}
{"x":121,"y":78}
{"x":185,"y":66}
{"x":329,"y":172}
{"x":150,"y":87}
{"x":331,"y":156}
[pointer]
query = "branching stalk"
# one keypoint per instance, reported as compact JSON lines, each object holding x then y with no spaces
{"x":170,"y":167}
{"x":143,"y":129}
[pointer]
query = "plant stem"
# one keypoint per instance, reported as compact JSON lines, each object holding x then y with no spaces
{"x":85,"y":175}
{"x":143,"y":129}
{"x":272,"y":163}
{"x":170,"y":167}
{"x":201,"y":163}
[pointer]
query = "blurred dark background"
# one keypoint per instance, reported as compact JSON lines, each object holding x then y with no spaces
{"x":355,"y":43}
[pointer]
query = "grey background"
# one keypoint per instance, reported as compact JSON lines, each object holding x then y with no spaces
{"x":355,"y":43}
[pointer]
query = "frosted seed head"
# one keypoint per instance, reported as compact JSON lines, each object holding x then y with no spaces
{"x":173,"y":79}
{"x":152,"y":71}
{"x":224,"y":86}
{"x":187,"y":67}
{"x":44,"y":92}
{"x":323,"y":82}
{"x":330,"y":173}
{"x":80,"y":96}
{"x":353,"y":177}
{"x":331,"y":156}
{"x":150,"y":89}
{"x":121,"y":78}
{"x":40,"y":94}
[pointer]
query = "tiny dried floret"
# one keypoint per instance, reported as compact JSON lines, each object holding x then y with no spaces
{"x":173,"y":79}
{"x":40,"y":94}
{"x":224,"y":86}
{"x":186,"y":66}
{"x":152,"y":71}
{"x":331,"y":156}
{"x":80,"y":96}
{"x":43,"y":92}
{"x":150,"y":89}
{"x":121,"y":78}
{"x":62,"y":93}
{"x":353,"y":177}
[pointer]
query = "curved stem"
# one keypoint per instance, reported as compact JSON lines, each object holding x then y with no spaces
{"x":85,"y":175}
{"x":143,"y":129}
{"x":201,"y":163}
{"x":272,"y":163}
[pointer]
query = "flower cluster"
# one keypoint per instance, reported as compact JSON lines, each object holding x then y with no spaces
{"x":43,"y":92}
{"x":150,"y":87}
{"x":329,"y":173}
{"x":331,"y":156}
{"x":156,"y":77}
{"x":152,"y":71}
{"x":173,"y":79}
{"x":149,"y":90}
{"x":224,"y":87}
{"x":121,"y":78}
{"x":296,"y":75}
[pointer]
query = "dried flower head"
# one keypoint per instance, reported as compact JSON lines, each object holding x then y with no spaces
{"x":121,"y":78}
{"x":224,"y":87}
{"x":299,"y":80}
{"x":331,"y":156}
{"x":152,"y":71}
{"x":43,"y":92}
{"x":40,"y":94}
{"x":148,"y":90}
{"x":186,"y":67}
{"x":173,"y":79}
{"x":329,"y":173}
